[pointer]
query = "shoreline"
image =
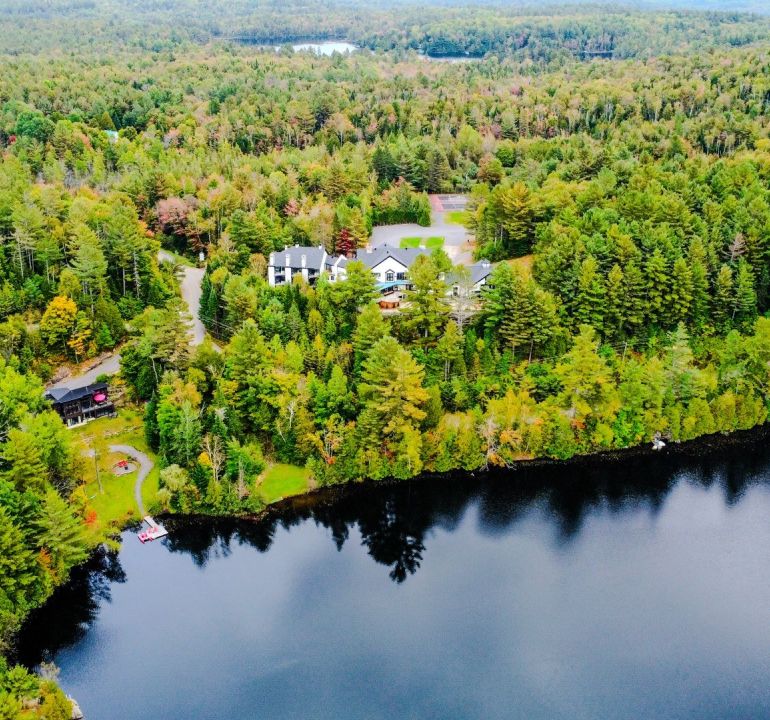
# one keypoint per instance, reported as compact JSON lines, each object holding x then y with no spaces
{"x":328,"y":494}
{"x":524,"y":476}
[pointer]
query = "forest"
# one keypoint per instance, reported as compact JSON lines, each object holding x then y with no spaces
{"x":616,"y":163}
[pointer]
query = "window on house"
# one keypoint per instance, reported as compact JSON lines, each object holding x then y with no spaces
{"x":390,"y":276}
{"x":401,"y":276}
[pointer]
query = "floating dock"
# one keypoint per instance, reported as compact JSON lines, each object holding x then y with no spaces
{"x":153,"y":532}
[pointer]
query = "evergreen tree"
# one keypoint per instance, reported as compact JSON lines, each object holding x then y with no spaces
{"x":723,"y":304}
{"x":449,"y":348}
{"x":681,"y":291}
{"x":636,"y":291}
{"x":391,"y":391}
{"x":616,"y":302}
{"x":584,"y":375}
{"x":658,"y":287}
{"x":700,"y":282}
{"x":515,"y":210}
{"x":20,"y":581}
{"x":745,"y":303}
{"x":61,"y":534}
{"x":371,"y":327}
{"x":590,"y":303}
{"x":23,"y":457}
{"x":425,"y":316}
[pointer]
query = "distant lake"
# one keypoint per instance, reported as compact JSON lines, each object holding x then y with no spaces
{"x":631,"y":589}
{"x":324,"y":48}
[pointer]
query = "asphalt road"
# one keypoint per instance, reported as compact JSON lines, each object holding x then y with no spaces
{"x":190,"y":286}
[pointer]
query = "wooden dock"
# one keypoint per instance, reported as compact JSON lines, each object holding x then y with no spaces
{"x":154,"y":530}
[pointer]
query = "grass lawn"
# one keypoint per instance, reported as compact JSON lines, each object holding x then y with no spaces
{"x":114,"y":502}
{"x":431,"y":243}
{"x":457,"y":217}
{"x":280,"y":481}
{"x":524,"y":263}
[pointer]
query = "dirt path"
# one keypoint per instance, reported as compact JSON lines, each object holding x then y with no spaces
{"x":145,"y":466}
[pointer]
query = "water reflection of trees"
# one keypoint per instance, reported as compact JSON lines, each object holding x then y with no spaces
{"x":72,"y":609}
{"x":394,"y":520}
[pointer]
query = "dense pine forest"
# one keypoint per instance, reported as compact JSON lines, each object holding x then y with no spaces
{"x":617,"y":169}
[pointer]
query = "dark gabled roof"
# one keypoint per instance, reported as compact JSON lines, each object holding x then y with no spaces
{"x":479,"y":271}
{"x":65,"y":395}
{"x":406,"y":256}
{"x":314,"y":257}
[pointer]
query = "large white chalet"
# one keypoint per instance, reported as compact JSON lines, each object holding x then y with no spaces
{"x":389,"y":265}
{"x":308,"y":262}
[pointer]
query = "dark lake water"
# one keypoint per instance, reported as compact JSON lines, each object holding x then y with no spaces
{"x":623,"y":589}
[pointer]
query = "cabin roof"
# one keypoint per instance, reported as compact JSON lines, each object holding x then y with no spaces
{"x":479,"y":271}
{"x":65,"y":394}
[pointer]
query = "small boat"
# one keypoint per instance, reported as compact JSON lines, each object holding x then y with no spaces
{"x":658,"y":444}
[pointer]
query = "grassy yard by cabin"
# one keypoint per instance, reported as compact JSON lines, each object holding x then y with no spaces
{"x":110,"y":497}
{"x":280,"y":481}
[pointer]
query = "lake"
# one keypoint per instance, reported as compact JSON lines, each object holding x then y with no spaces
{"x":632,"y":588}
{"x":324,"y":48}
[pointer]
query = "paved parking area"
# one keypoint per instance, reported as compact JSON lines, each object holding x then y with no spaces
{"x":456,"y":237}
{"x":446,"y":203}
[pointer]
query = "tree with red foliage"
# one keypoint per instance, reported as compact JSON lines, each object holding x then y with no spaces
{"x":346,"y":243}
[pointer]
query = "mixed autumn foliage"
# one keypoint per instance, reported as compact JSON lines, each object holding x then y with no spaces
{"x":628,"y":165}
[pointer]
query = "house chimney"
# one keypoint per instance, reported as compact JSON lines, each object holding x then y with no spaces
{"x":368,"y":250}
{"x":304,"y":260}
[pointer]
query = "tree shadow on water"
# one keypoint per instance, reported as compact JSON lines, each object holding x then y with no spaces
{"x":395,"y":520}
{"x":70,"y":611}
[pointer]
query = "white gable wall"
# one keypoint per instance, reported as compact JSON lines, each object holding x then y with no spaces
{"x":389,"y":264}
